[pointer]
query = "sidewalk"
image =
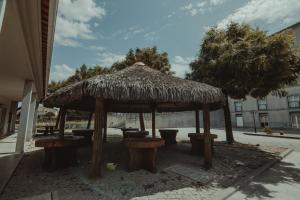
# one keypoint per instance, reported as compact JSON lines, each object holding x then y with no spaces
{"x":8,"y":158}
{"x":280,"y":182}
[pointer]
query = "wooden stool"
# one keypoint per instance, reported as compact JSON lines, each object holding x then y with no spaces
{"x":142,"y":153}
{"x":197,"y":141}
{"x":169,"y":135}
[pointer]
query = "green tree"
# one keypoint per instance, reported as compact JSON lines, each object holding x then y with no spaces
{"x":242,"y":61}
{"x":83,"y":72}
{"x":150,"y":56}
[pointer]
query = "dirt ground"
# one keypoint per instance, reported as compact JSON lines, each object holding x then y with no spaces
{"x":179,"y":173}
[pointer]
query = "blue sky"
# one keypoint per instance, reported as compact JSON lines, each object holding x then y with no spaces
{"x":101,"y":31}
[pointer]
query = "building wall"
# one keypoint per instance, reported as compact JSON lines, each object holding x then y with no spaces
{"x":277,"y":110}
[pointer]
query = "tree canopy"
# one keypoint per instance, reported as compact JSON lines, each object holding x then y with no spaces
{"x":246,"y":61}
{"x":150,"y":56}
{"x":242,"y":61}
{"x":82,"y":73}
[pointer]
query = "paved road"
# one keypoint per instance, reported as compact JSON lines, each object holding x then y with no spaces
{"x":240,"y":137}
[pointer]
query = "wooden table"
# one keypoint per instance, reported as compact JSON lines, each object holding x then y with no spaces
{"x":142,"y":153}
{"x":47,"y":129}
{"x":59,"y":152}
{"x":169,"y":135}
{"x":135,"y":134}
{"x":129,"y":129}
{"x":197,"y":141}
{"x":86,"y":133}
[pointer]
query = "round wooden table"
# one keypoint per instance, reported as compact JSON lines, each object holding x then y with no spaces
{"x":197,"y":141}
{"x":59,"y":152}
{"x":135,"y":134}
{"x":142,"y":153}
{"x":169,"y":135}
{"x":129,"y":129}
{"x":86,"y":133}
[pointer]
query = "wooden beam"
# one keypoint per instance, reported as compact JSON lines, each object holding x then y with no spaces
{"x":142,"y":123}
{"x":153,"y":123}
{"x":58,"y":119}
{"x":207,"y":138}
{"x":98,"y":139}
{"x":88,"y":126}
{"x":105,"y":127}
{"x":62,"y":122}
{"x":197,"y":121}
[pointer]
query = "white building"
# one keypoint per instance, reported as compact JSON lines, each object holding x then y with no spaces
{"x":26,"y":40}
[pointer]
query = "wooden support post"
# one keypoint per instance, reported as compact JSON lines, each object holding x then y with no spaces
{"x":98,"y":139}
{"x":207,"y":138}
{"x":153,"y":123}
{"x":197,"y":121}
{"x":88,"y":126}
{"x":58,"y":119}
{"x":142,"y":123}
{"x":62,"y":122}
{"x":105,"y":127}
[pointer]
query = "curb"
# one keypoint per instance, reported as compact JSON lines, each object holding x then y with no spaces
{"x":279,"y":136}
{"x":228,"y":192}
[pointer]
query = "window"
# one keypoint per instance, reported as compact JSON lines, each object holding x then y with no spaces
{"x":262,"y":104}
{"x":295,"y":120}
{"x":294,"y":101}
{"x":239,"y":120}
{"x":238,"y":106}
{"x":264,"y":120}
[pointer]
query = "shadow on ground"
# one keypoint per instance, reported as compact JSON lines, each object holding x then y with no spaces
{"x":281,"y":173}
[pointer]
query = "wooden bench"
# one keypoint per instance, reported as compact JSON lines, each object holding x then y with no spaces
{"x":169,"y":135}
{"x":142,"y":153}
{"x":59,"y":152}
{"x":197,"y":141}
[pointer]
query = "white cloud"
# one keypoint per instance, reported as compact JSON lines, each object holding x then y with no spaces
{"x":105,"y":57}
{"x":151,"y":36}
{"x":200,"y":8}
{"x":181,"y":65}
{"x":265,"y":10}
{"x":132,"y":31}
{"x":74,"y":21}
{"x":61,"y":72}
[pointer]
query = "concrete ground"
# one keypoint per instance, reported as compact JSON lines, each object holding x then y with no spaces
{"x":280,"y":182}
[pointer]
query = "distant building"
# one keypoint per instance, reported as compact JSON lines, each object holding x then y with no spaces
{"x":26,"y":40}
{"x":272,"y":111}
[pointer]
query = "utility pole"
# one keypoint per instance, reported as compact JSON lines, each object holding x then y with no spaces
{"x":254,"y":121}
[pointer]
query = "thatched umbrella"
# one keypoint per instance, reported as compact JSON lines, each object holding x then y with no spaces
{"x":136,"y":89}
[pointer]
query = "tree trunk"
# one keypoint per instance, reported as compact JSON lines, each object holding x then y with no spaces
{"x":228,"y":125}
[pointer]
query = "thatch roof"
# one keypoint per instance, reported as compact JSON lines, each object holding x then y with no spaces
{"x":140,"y":85}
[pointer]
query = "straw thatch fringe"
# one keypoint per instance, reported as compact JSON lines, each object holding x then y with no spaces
{"x":138,"y":83}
